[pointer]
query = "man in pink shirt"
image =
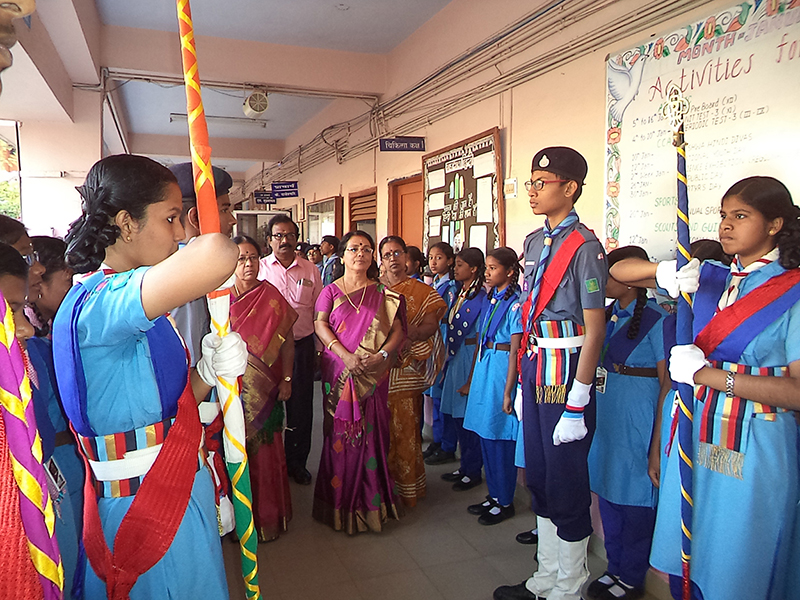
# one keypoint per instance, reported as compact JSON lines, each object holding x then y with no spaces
{"x":300,"y":283}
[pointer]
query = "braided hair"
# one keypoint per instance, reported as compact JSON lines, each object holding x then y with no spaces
{"x":772,"y":199}
{"x":416,"y":255}
{"x":508,"y":259}
{"x":447,"y":250}
{"x":641,"y":295}
{"x":474,"y":258}
{"x":121,"y":182}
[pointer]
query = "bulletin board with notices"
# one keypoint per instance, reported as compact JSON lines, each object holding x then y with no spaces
{"x":461,"y":202}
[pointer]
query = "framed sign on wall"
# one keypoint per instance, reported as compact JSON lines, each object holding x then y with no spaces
{"x":461,"y":204}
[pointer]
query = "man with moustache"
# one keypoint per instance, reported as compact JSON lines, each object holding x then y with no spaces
{"x":300,"y":283}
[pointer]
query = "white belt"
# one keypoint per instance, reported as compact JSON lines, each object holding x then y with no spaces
{"x":561,"y":342}
{"x":208,"y":411}
{"x":135,"y":463}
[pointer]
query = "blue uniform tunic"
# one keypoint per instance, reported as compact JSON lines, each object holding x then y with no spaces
{"x":741,"y":527}
{"x":484,"y":414}
{"x":625,"y":416}
{"x":122,"y":395}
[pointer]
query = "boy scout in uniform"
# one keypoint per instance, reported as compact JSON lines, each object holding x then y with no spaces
{"x":564,"y":321}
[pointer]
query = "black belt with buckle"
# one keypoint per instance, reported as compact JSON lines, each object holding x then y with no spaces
{"x":635,"y":371}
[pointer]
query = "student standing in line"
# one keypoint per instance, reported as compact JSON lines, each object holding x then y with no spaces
{"x":745,"y":364}
{"x":493,"y":384}
{"x":465,"y":298}
{"x":629,"y":378}
{"x":564,"y":319}
{"x":127,"y":389}
{"x":441,"y":260}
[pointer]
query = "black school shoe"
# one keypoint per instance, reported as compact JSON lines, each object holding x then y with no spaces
{"x":479,"y":509}
{"x":492,"y":518}
{"x":452,"y":477}
{"x":601,"y":585}
{"x":467,"y":483}
{"x":432,"y":447}
{"x":440,"y":457}
{"x":620,"y":591}
{"x":528,"y":537}
{"x":515,"y":592}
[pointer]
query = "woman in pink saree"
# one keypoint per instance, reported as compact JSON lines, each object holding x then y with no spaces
{"x":264,"y":319}
{"x":361,"y":324}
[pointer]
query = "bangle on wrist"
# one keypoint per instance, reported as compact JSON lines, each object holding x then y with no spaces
{"x":383,"y":353}
{"x":730,"y":380}
{"x":331,"y":343}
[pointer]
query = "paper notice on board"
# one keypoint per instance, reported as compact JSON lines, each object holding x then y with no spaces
{"x":477,"y":237}
{"x":436,"y":201}
{"x":483,"y":211}
{"x":434,"y":226}
{"x":483,"y":165}
{"x":435,"y":179}
{"x":446,"y":234}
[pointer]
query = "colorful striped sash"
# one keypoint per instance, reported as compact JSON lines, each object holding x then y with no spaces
{"x":725,"y":422}
{"x":552,"y":366}
{"x":114,"y":447}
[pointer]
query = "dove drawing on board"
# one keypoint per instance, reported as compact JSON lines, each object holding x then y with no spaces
{"x":623,"y":84}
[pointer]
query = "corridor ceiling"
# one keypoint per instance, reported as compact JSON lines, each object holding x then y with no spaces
{"x":303,"y":53}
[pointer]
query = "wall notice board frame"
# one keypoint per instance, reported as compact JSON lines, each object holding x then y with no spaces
{"x":739,"y":69}
{"x":461,"y":203}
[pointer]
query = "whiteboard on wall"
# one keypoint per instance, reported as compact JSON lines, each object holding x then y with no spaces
{"x":740,"y":71}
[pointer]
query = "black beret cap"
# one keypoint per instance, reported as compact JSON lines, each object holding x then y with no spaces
{"x":183,"y":171}
{"x":562,"y":161}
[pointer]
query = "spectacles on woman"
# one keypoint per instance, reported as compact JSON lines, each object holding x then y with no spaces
{"x":394,"y":254}
{"x":538,"y":184}
{"x":356,"y":249}
{"x":31,"y":258}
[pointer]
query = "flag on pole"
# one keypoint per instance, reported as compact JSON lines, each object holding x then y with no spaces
{"x":218,"y":307}
{"x":675,"y":109}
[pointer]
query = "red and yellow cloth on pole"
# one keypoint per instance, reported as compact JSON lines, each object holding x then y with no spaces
{"x":218,"y":306}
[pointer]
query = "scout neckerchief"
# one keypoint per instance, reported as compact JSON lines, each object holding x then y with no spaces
{"x":493,"y":314}
{"x":150,"y":524}
{"x":738,"y":273}
{"x":549,"y":234}
{"x":618,"y":346}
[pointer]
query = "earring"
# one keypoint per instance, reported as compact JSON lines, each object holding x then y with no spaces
{"x":128,"y":239}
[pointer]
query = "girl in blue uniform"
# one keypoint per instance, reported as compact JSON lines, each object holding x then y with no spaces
{"x":441,"y":260}
{"x":123,"y":376}
{"x":465,"y":297}
{"x":629,"y":377}
{"x":490,"y":404}
{"x":745,"y":476}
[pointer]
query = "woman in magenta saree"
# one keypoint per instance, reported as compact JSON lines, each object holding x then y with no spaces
{"x":361,"y":324}
{"x":264,"y":319}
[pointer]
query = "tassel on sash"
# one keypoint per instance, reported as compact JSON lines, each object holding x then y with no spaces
{"x":725,"y":422}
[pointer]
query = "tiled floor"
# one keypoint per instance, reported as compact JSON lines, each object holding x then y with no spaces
{"x":437,"y":551}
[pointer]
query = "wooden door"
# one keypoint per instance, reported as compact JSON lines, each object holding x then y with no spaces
{"x":408,"y":211}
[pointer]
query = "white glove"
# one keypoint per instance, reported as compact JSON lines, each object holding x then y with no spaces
{"x":571,"y":426}
{"x":684,"y":362}
{"x":578,"y":396}
{"x":674,"y":281}
{"x":223,"y":357}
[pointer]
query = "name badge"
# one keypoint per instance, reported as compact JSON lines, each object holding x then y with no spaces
{"x":600,"y":380}
{"x":55,"y":484}
{"x":305,"y":282}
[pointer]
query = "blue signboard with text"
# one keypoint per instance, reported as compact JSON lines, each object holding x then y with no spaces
{"x":263,"y":197}
{"x":403,"y":144}
{"x":284,"y":189}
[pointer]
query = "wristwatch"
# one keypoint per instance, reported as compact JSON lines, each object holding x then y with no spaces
{"x":288,"y":379}
{"x":384,"y":354}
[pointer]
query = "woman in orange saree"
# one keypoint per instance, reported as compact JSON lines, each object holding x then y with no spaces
{"x":418,"y":364}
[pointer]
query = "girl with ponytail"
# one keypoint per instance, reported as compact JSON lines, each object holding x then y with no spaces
{"x":493,"y":385}
{"x":464,"y":297}
{"x":122,"y":374}
{"x":745,"y":362}
{"x":629,"y":377}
